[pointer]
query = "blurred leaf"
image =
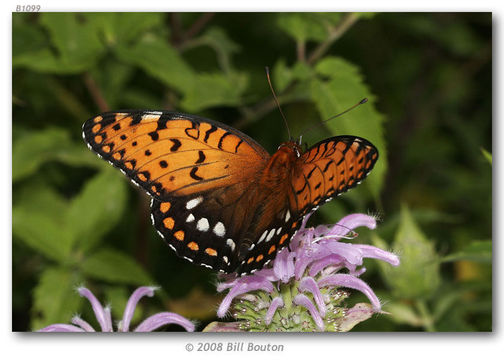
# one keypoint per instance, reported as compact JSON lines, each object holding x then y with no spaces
{"x":26,"y":37}
{"x":480,"y":251}
{"x":76,"y":41}
{"x":32,"y":150}
{"x":111,"y":78}
{"x":97,"y":208}
{"x":219,"y":41}
{"x":196,"y":305}
{"x":344,"y":88}
{"x":302,"y":26}
{"x":44,"y":232}
{"x":444,"y":303}
{"x":160,"y":60}
{"x":418,"y":275}
{"x":74,"y":36}
{"x":120,"y":28}
{"x":282,"y":75}
{"x":39,"y":195}
{"x":54,"y":298}
{"x":215,"y":90}
{"x":487,"y":155}
{"x":402,"y":313}
{"x":115,"y":267}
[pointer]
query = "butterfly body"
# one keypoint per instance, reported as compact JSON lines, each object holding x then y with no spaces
{"x":218,"y":198}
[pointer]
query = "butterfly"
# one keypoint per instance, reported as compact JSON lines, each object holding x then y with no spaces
{"x":219,"y":199}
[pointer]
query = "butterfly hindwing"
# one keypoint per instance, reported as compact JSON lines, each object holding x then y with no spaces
{"x":330,"y":168}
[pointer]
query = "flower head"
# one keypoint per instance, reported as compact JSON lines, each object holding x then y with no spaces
{"x":105,"y":320}
{"x":302,"y":290}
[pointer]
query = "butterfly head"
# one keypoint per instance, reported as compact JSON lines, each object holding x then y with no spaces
{"x":290,"y":148}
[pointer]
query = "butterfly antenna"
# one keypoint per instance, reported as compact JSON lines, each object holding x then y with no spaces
{"x":278,"y":103}
{"x":363,"y":101}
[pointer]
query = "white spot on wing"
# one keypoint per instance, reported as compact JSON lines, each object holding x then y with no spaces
{"x":152,"y":116}
{"x":279,"y":230}
{"x":231,"y":244}
{"x":194,"y":202}
{"x":287,"y":216}
{"x":203,"y":224}
{"x":263,"y":236}
{"x":270,"y":235}
{"x":190,"y":218}
{"x":225,"y":259}
{"x":219,"y":229}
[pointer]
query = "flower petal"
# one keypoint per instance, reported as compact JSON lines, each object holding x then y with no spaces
{"x":369,"y":251}
{"x":275,"y":304}
{"x":132,"y":303}
{"x":245,"y":284}
{"x":303,"y":300}
{"x":333,"y":259}
{"x":76,"y":320}
{"x":309,"y":284}
{"x":349,"y":252}
{"x":157,"y":320}
{"x":353,"y":221}
{"x":283,"y":266}
{"x":61,"y":328}
{"x":351,"y":282}
{"x":100,"y":314}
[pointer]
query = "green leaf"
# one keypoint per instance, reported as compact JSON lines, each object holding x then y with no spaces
{"x":120,"y":28}
{"x":487,"y":155}
{"x":219,"y":41}
{"x":343,"y":88}
{"x":115,"y":267}
{"x":303,"y":26}
{"x":160,"y":60}
{"x":418,"y":275}
{"x":54,"y":298}
{"x":402,"y":313}
{"x":282,"y":75}
{"x":33,"y":149}
{"x":215,"y":90}
{"x":26,"y":37}
{"x":479,"y":251}
{"x":97,"y":208}
{"x":75,"y":37}
{"x":42,"y":231}
{"x":76,"y":41}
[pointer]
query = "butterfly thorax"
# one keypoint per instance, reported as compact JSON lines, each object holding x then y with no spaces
{"x":281,"y":163}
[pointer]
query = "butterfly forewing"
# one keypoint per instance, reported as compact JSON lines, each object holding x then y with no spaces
{"x":173,"y":154}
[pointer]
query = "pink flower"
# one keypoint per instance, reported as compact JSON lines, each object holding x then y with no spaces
{"x":105,"y":320}
{"x":306,"y":281}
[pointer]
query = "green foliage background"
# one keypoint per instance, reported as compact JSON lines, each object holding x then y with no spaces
{"x":428,"y":77}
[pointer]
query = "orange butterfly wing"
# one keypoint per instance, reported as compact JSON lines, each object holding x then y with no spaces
{"x":219,"y":199}
{"x":330,"y":168}
{"x":172,"y":154}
